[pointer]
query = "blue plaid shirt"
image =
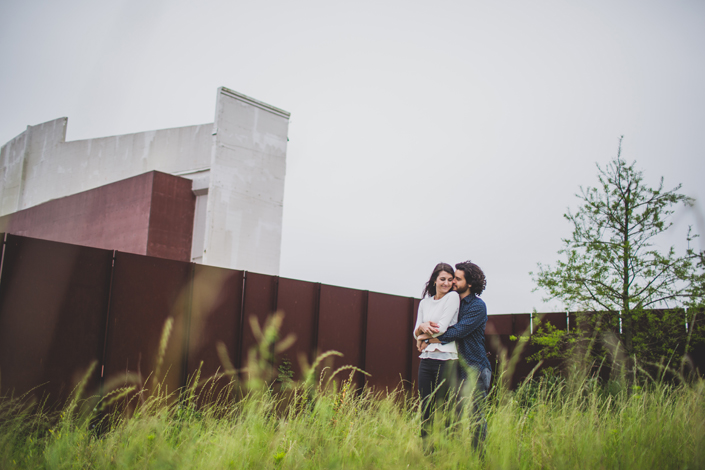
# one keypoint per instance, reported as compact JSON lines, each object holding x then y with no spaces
{"x":469,"y":332}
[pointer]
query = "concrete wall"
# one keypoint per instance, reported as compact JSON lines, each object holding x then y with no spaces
{"x":39,"y":165}
{"x":237,"y":165}
{"x":246,"y":193}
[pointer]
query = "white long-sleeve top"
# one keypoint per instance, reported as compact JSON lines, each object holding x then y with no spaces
{"x":443,"y":311}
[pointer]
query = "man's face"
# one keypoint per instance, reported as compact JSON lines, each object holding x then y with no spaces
{"x":459,"y":282}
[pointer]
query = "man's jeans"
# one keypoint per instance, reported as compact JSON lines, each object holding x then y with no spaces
{"x":431,"y":379}
{"x":479,"y":398}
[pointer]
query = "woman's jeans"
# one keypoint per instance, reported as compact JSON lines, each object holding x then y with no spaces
{"x":438,"y":382}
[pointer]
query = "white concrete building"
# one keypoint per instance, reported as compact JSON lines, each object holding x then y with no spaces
{"x":237,"y":165}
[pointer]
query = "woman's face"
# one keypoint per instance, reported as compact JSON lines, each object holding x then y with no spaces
{"x":444,"y":283}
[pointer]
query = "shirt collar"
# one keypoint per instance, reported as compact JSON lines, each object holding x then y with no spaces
{"x":469,"y":298}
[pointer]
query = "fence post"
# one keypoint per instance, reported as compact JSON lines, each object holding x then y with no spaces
{"x":187,"y":328}
{"x":238,"y":356}
{"x":316,"y":315}
{"x":366,"y":308}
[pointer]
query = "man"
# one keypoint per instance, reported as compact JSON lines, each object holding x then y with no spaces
{"x":469,"y":337}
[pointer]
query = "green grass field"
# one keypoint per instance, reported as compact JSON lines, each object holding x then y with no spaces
{"x":542,"y":425}
{"x":550,"y":423}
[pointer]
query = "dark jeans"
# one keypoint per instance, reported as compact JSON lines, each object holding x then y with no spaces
{"x":438,"y":381}
{"x":478,"y":395}
{"x":457,"y":386}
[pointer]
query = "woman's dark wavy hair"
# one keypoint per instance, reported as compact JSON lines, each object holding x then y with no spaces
{"x":430,"y":288}
{"x":474,"y":276}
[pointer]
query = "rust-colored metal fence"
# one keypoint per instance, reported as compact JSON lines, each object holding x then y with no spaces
{"x":63,"y":307}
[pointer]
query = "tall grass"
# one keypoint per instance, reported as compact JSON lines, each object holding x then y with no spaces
{"x":546,"y":423}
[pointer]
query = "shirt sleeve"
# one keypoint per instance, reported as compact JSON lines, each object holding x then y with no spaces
{"x":472,"y":320}
{"x":449,"y":312}
{"x":419,"y":320}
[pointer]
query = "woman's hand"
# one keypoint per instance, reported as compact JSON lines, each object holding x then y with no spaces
{"x":427,"y":328}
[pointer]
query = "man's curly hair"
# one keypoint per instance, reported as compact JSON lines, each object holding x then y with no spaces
{"x":473,"y":275}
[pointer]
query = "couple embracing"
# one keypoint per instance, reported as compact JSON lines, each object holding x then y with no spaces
{"x":450,"y":334}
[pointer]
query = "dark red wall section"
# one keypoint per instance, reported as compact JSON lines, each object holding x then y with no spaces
{"x":498,"y":325}
{"x":390,"y":342}
{"x":99,"y":217}
{"x":557,"y":319}
{"x":53,"y":299}
{"x":260,"y":301}
{"x":521,"y":324}
{"x":215,"y":318}
{"x":299,"y":302}
{"x":146,"y":292}
{"x":341,"y":327}
{"x":150,"y":214}
{"x":508,"y":335}
{"x":696,"y":322}
{"x":171,"y":217}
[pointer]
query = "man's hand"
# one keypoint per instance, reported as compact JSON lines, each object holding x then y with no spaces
{"x":429,"y":328}
{"x":421,"y":341}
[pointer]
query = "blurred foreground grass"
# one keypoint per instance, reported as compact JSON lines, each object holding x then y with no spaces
{"x":547,"y":423}
{"x":544,"y":427}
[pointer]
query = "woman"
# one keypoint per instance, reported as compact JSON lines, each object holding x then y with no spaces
{"x":439,"y":362}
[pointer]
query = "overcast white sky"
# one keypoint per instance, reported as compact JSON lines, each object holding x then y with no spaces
{"x":420,"y":131}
